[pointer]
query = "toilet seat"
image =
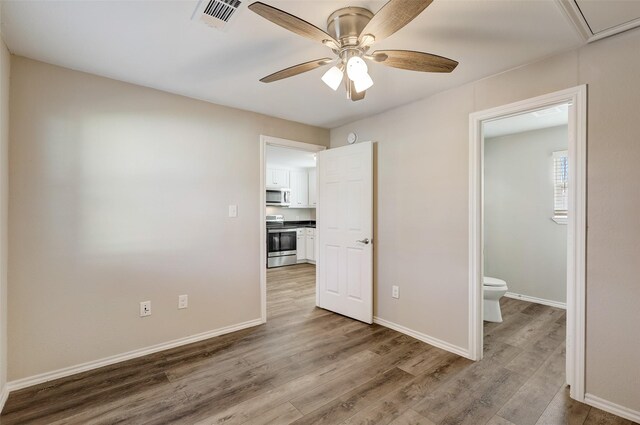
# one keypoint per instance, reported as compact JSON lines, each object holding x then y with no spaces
{"x":493,"y":282}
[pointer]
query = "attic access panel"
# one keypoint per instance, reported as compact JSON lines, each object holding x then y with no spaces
{"x":596,"y":19}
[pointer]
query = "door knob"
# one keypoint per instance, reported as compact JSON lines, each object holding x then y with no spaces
{"x":364,"y":241}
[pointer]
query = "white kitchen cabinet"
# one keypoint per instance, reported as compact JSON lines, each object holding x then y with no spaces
{"x":311,"y":244}
{"x":277,"y":178}
{"x":313,"y":188}
{"x":301,"y":245}
{"x":299,"y":181}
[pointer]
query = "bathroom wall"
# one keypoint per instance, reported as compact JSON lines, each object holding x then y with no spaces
{"x":296,"y":214}
{"x":523,"y":245}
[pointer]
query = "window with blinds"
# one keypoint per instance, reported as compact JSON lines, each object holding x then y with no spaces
{"x":560,"y":186}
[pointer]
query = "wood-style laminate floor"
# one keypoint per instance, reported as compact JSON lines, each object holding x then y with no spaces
{"x":309,"y":366}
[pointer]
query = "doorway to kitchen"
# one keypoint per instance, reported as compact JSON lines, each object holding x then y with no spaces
{"x":288,"y":200}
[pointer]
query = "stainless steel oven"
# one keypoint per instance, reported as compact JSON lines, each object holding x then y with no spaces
{"x":281,"y":247}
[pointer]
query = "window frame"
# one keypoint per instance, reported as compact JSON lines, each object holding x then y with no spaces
{"x":560,"y":216}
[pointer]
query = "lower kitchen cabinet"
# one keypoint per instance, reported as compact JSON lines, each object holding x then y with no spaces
{"x":311,"y":245}
{"x":301,"y":245}
{"x":306,"y":245}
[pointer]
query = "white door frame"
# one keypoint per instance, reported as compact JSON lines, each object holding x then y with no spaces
{"x":577,"y":227}
{"x":284,"y":143}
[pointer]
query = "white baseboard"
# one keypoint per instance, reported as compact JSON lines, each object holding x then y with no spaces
{"x":72,"y":370}
{"x":423,"y":337}
{"x":536,"y":300}
{"x":616,"y":409}
{"x":4,"y":394}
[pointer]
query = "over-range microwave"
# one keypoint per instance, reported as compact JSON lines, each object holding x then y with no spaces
{"x":279,"y":197}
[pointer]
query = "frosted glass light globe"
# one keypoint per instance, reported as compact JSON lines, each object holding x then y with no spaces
{"x":356,"y":68}
{"x":363,"y":83}
{"x":333,"y":77}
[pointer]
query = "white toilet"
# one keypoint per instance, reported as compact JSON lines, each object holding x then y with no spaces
{"x":493,"y":290}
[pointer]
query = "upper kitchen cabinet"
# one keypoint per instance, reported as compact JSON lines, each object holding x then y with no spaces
{"x":299,"y":189}
{"x":292,"y":169}
{"x":277,"y":178}
{"x":313,"y":188}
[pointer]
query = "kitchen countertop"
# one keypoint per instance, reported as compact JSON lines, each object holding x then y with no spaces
{"x":292,"y":225}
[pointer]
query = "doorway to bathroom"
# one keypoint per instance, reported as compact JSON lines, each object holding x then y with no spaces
{"x":527,"y":234}
{"x":525,"y":217}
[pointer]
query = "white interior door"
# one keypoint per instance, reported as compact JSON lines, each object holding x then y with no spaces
{"x":345,"y":231}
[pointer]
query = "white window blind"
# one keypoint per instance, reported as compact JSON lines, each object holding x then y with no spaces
{"x":560,"y":186}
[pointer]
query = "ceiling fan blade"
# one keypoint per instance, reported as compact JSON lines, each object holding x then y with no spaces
{"x":393,"y":16}
{"x":413,"y":61}
{"x":290,"y":22}
{"x":351,"y":91}
{"x":295,"y":70}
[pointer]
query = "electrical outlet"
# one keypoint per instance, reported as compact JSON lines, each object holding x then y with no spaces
{"x":395,"y":291}
{"x":145,"y":308}
{"x":233,"y":210}
{"x":183,"y":301}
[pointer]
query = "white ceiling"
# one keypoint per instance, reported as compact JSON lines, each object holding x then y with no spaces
{"x":545,"y":118}
{"x":289,"y":158}
{"x":157,"y":44}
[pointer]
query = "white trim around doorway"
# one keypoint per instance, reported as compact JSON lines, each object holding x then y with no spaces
{"x":264,"y":142}
{"x":576,"y":245}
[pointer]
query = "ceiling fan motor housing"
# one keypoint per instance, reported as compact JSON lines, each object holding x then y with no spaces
{"x":346,"y":24}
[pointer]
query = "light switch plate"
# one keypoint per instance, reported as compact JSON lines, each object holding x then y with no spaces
{"x":145,"y":308}
{"x":233,"y":210}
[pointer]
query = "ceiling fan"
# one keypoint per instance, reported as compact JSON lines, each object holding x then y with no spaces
{"x":351,"y":31}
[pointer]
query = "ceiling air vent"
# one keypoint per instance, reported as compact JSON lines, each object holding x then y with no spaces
{"x":218,"y":13}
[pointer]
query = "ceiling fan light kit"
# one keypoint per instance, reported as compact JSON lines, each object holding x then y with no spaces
{"x":363,"y":83}
{"x":333,"y":77}
{"x":351,"y":31}
{"x":358,"y":72}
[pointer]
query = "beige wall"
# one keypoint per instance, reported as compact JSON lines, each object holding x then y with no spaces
{"x":120,"y":194}
{"x":4,"y":198}
{"x":522,"y":244}
{"x":421,"y":212}
{"x":422,"y":204}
